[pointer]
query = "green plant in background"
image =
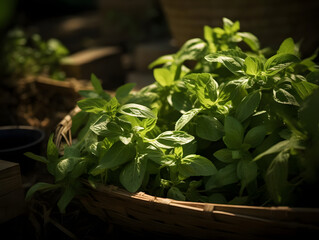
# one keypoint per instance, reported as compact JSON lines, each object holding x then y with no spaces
{"x":23,"y":55}
{"x":219,"y":125}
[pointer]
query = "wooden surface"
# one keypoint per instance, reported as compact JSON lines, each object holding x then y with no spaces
{"x":11,"y":191}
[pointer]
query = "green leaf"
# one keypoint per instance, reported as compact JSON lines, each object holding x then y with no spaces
{"x":284,"y":97}
{"x":304,"y":88}
{"x":208,"y":36}
{"x":161,"y":60}
{"x":287,"y":47}
{"x":217,"y":198}
{"x":64,"y":166}
{"x":248,"y":105}
{"x":230,"y":59}
{"x":196,"y":165}
{"x":279,"y":62}
{"x":276,"y":177}
{"x":132,"y":175}
{"x":253,"y":66}
{"x":281,"y":146}
{"x":206,"y":88}
{"x":36,"y":157}
{"x":234,"y":133}
{"x":224,"y":155}
{"x":154,"y":153}
{"x":96,"y":83}
{"x":94,"y":105}
{"x":225,"y":176}
{"x":171,"y":139}
{"x":230,"y":27}
{"x":99,"y":127}
{"x":164,"y":76}
{"x":123,"y":91}
{"x":192,"y":49}
{"x":186,"y":118}
{"x":78,"y":121}
{"x":40,"y":186}
{"x":52,"y":150}
{"x":175,"y":193}
{"x":67,"y":196}
{"x":250,"y":39}
{"x":137,"y":110}
{"x":255,"y":136}
{"x":181,"y":101}
{"x":209,"y":128}
{"x":79,"y":169}
{"x":246,"y":172}
{"x":118,"y":154}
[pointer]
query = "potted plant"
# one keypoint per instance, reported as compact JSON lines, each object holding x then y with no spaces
{"x":233,"y":128}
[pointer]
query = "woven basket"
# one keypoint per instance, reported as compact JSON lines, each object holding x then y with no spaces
{"x":270,"y":20}
{"x":162,"y":216}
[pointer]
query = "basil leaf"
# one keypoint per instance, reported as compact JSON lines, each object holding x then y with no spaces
{"x":161,"y":60}
{"x":118,"y":154}
{"x":276,"y":177}
{"x":206,"y":88}
{"x":181,"y":101}
{"x":186,"y":118}
{"x":250,"y":39}
{"x":279,"y":62}
{"x":94,"y":105}
{"x":246,"y":172}
{"x":175,"y":193}
{"x":224,"y":155}
{"x":123,"y":91}
{"x":164,"y":76}
{"x":209,"y":128}
{"x":132,"y":175}
{"x":232,"y":59}
{"x":248,"y":105}
{"x":99,"y":127}
{"x":284,"y":97}
{"x":136,"y":110}
{"x":40,"y":186}
{"x":36,"y":157}
{"x":255,"y":136}
{"x":96,"y":83}
{"x":171,"y":139}
{"x":283,"y":145}
{"x":304,"y":88}
{"x":192,"y":49}
{"x":196,"y":165}
{"x":67,"y":195}
{"x":253,"y":66}
{"x":225,"y":176}
{"x":52,"y":150}
{"x":65,"y":166}
{"x":287,"y":47}
{"x":234,"y":133}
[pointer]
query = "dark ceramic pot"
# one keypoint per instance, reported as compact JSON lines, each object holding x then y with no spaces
{"x":16,"y":140}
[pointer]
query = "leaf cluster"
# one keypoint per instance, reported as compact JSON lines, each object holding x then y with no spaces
{"x":219,"y":125}
{"x":24,"y":55}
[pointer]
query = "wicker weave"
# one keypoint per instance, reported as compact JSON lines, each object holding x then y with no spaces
{"x":144,"y":213}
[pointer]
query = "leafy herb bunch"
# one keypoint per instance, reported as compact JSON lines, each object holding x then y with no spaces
{"x":219,"y":125}
{"x":24,"y":55}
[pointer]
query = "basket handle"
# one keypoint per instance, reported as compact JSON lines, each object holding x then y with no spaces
{"x":63,"y":130}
